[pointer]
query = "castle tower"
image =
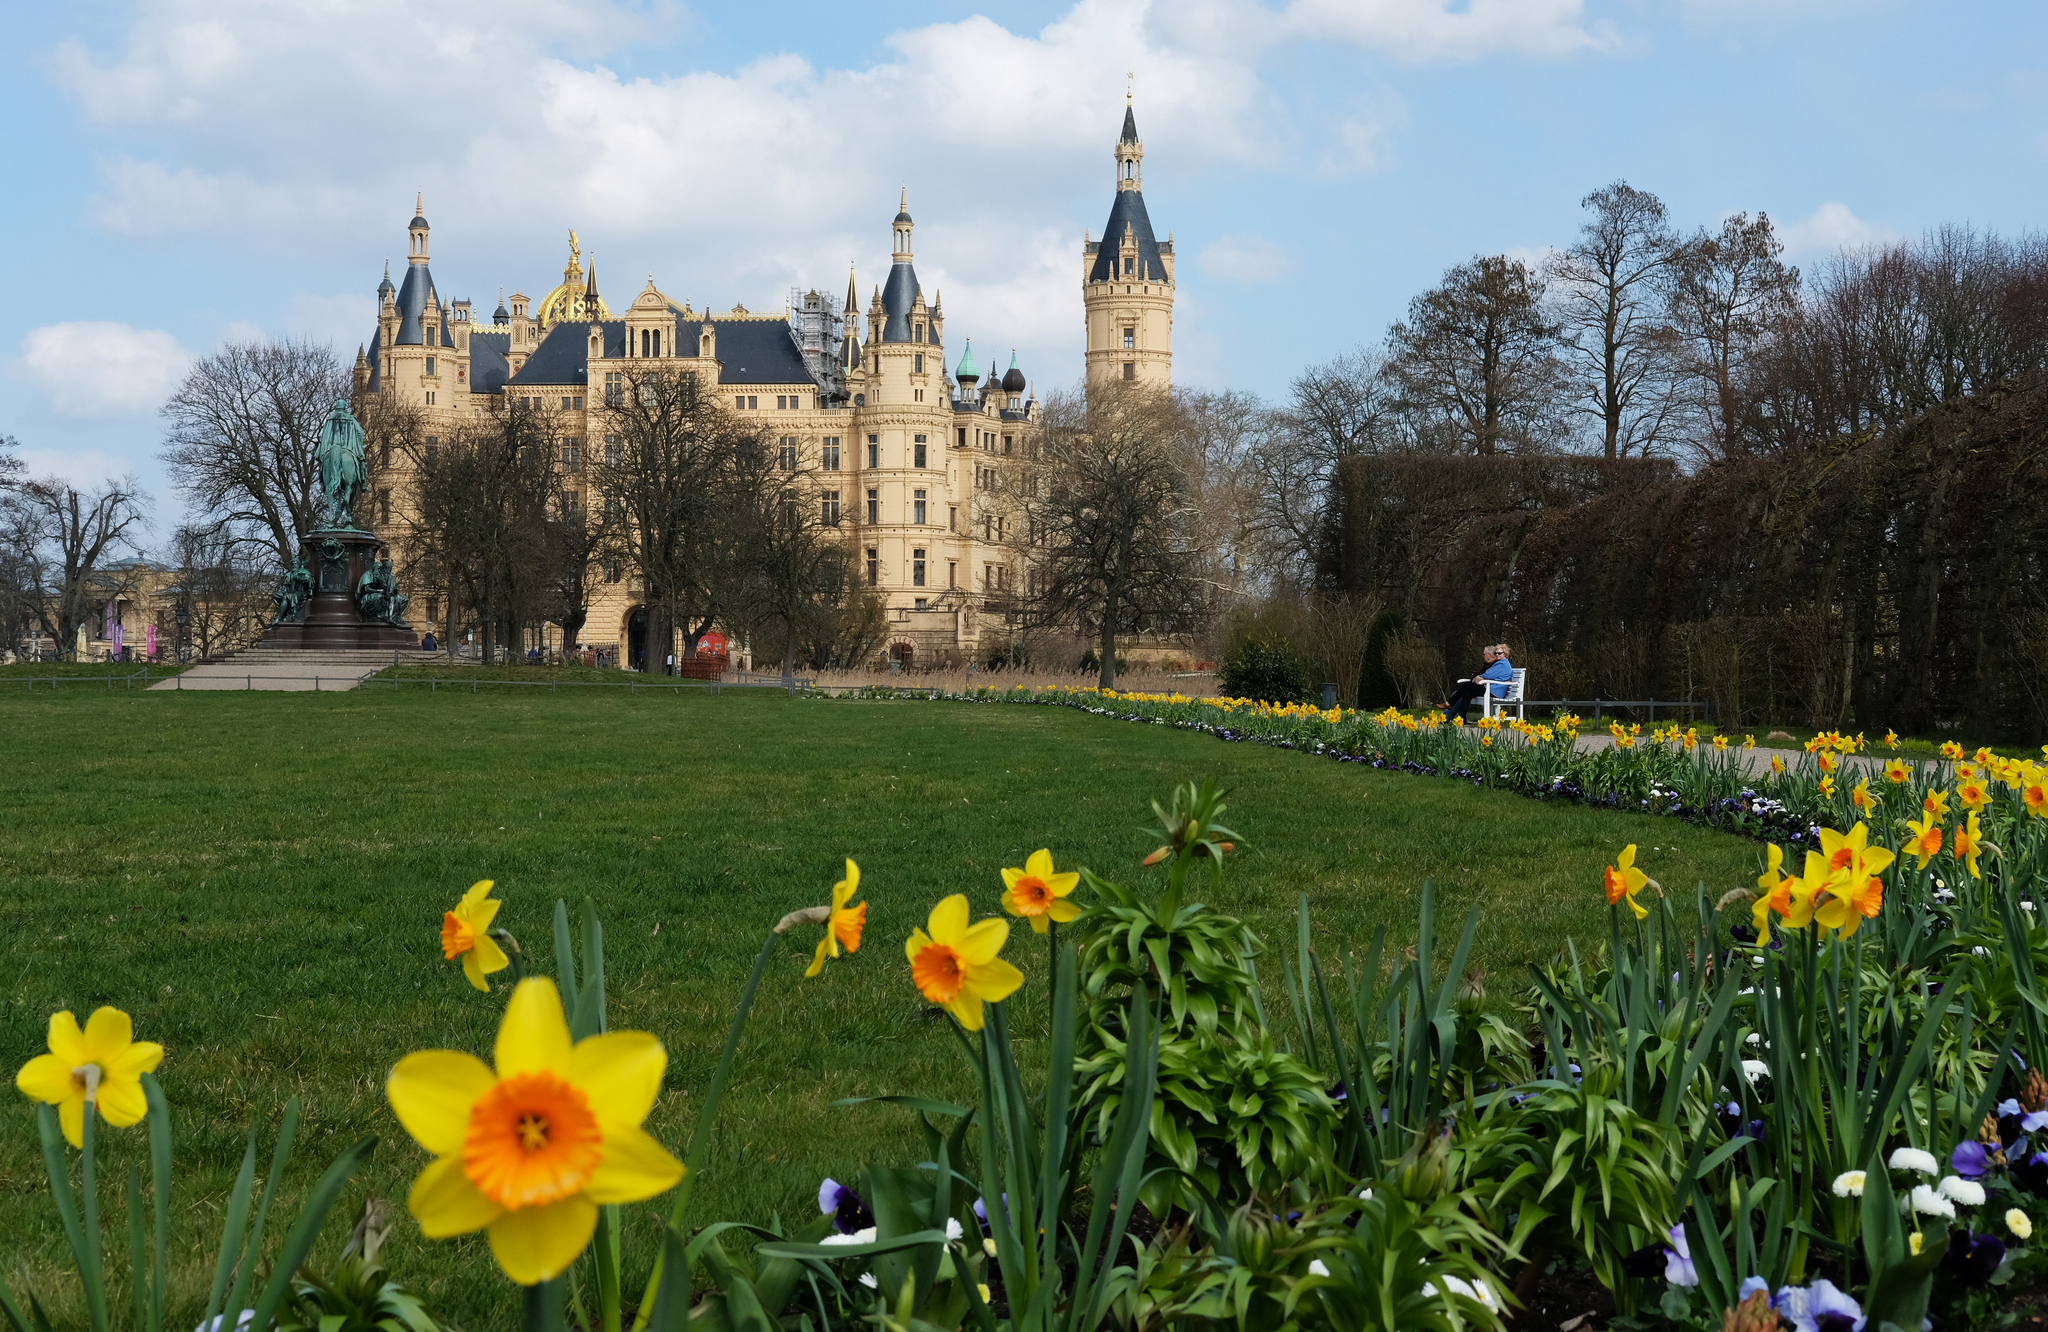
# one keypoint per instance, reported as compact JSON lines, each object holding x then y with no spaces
{"x":1127,"y":282}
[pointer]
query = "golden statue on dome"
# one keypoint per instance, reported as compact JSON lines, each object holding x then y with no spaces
{"x":576,"y":298}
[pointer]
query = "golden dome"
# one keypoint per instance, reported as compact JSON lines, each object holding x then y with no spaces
{"x":573,"y":299}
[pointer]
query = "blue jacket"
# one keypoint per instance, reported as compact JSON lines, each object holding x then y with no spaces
{"x":1500,"y":670}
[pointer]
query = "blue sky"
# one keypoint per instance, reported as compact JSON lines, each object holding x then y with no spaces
{"x":189,"y":171}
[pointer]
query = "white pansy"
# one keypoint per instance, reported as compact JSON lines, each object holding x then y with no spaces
{"x":1753,"y":1069}
{"x":1849,"y":1184}
{"x":2019,"y":1223}
{"x":1912,"y":1158}
{"x":953,"y":1230}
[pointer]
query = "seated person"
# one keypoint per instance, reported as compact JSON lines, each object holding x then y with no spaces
{"x":427,"y":643}
{"x":1498,"y":669}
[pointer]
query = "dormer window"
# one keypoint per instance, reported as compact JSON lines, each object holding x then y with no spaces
{"x":1130,"y":267}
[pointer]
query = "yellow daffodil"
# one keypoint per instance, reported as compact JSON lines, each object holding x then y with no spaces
{"x":843,"y":926}
{"x":1037,"y":894}
{"x":1896,"y":772}
{"x":1777,"y":765}
{"x":1828,"y":762}
{"x":1969,"y":844}
{"x":1927,"y":837}
{"x":1749,"y":742}
{"x":529,"y":1151}
{"x":1936,"y":803}
{"x":466,"y":933}
{"x":1974,"y":794}
{"x":1774,"y":894}
{"x":1851,"y":852}
{"x":1951,"y":751}
{"x":1827,"y":786}
{"x":1804,"y":893}
{"x":1984,"y":754}
{"x":955,"y":964}
{"x":1965,"y":771}
{"x":1861,"y":797}
{"x":1623,"y":880}
{"x":2035,"y":793}
{"x":1720,"y":742}
{"x":103,"y":1064}
{"x":1891,"y":739}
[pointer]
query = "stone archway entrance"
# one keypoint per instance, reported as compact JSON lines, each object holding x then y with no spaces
{"x":903,"y":654}
{"x":636,"y":639}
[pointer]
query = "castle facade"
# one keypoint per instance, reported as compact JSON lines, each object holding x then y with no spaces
{"x":908,"y":455}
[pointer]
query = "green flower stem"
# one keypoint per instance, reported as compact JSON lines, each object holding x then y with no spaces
{"x":95,"y":1265}
{"x":700,"y":1140}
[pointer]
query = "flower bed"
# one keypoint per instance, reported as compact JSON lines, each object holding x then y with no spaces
{"x":1829,"y":1116}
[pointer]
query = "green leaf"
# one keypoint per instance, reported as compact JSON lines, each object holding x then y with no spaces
{"x":299,"y":1242}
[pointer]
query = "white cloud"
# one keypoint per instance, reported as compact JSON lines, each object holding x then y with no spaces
{"x":82,"y":467}
{"x":96,"y":368}
{"x":1829,"y":228}
{"x":305,"y":127}
{"x":1360,"y":142}
{"x":1246,"y":258}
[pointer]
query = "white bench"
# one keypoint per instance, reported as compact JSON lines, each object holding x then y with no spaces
{"x":1516,"y":691}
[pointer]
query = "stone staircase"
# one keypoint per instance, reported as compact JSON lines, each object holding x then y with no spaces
{"x":291,"y":670}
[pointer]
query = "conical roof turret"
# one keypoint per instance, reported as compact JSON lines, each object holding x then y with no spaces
{"x":968,"y":371}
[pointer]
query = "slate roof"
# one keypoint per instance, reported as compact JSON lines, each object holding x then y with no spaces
{"x":376,"y":359}
{"x":412,"y":303}
{"x":899,"y":293}
{"x":488,"y":366}
{"x":1129,"y":209}
{"x":750,"y":351}
{"x":1130,"y":134}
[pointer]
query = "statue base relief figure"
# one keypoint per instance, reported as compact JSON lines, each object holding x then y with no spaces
{"x":355,"y":601}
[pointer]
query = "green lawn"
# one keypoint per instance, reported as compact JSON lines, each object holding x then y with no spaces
{"x":259,"y":880}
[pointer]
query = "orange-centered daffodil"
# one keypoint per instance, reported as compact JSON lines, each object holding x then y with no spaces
{"x":1973,"y":793}
{"x":1038,"y":894}
{"x":955,"y":964}
{"x":530,"y":1150}
{"x":1774,"y":894}
{"x":466,"y":933}
{"x":1896,"y":772}
{"x":1623,"y":880}
{"x":843,"y":927}
{"x":103,"y":1064}
{"x":1969,"y":844}
{"x":1927,"y":837}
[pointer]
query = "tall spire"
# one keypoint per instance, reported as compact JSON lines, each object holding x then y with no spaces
{"x":852,"y":298}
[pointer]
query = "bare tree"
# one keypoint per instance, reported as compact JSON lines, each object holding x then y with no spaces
{"x":68,"y":540}
{"x":1731,"y":291}
{"x":1609,"y":290}
{"x":1215,"y":440}
{"x":479,"y":520}
{"x":240,"y":434}
{"x":788,"y":563}
{"x":664,"y":479}
{"x":1106,"y":516}
{"x":220,"y":586}
{"x":1478,"y":356}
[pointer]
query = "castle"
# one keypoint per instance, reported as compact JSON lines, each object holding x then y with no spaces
{"x":908,"y":455}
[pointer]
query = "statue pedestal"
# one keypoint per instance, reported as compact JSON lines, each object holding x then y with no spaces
{"x":338,"y":559}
